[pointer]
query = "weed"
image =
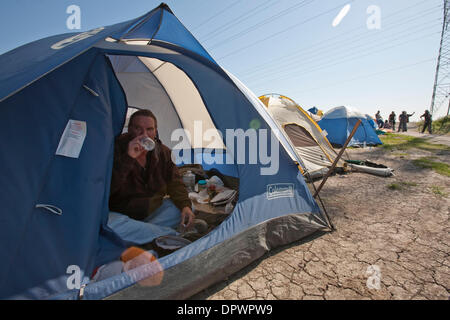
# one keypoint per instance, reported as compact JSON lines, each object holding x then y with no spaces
{"x":400,"y":185}
{"x":437,"y":191}
{"x":428,"y":163}
{"x":394,"y":186}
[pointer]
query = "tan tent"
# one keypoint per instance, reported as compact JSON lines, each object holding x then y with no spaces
{"x":303,"y":133}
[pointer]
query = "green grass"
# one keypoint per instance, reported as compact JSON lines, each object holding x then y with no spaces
{"x":392,"y":141}
{"x":437,"y":191}
{"x":394,"y":186}
{"x":428,"y":163}
{"x":401,"y":185}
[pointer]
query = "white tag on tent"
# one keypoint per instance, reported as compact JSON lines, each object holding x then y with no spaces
{"x":324,"y":133}
{"x":72,"y":139}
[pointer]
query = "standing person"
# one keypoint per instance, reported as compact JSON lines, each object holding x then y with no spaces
{"x":392,"y":120}
{"x":427,"y":121}
{"x":379,"y":119}
{"x":404,"y":119}
{"x":141,"y":178}
{"x":407,"y":119}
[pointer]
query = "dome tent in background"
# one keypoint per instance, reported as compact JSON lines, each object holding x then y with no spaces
{"x":55,"y":207}
{"x":303,"y":133}
{"x":372,"y":122}
{"x":313,"y":110}
{"x":315,"y":113}
{"x":339,"y":123}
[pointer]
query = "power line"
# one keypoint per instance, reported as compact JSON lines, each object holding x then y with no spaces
{"x":237,"y":20}
{"x":354,"y":52}
{"x":318,"y":58}
{"x":350,"y":59}
{"x":310,"y":57}
{"x":263,"y":22}
{"x":284,"y":30}
{"x":325,"y":48}
{"x":303,"y":72}
{"x":215,"y":15}
{"x":335,"y":42}
{"x":367,"y":76}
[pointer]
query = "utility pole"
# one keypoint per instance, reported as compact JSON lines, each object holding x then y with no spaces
{"x":441,"y":89}
{"x":448,"y":109}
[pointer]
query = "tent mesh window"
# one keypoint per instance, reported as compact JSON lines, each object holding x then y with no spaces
{"x":299,"y":136}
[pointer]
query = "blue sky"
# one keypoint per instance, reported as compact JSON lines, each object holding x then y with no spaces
{"x":283,"y":46}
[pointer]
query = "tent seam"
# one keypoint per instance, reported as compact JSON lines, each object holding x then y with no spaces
{"x":159,"y":26}
{"x":165,"y":91}
{"x":145,"y":18}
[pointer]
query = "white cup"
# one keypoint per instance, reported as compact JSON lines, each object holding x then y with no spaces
{"x":147,"y":143}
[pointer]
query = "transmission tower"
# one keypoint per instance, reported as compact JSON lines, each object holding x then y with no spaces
{"x":441,"y":89}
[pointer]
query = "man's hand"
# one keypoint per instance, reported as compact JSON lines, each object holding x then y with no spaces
{"x":187,"y":217}
{"x":135,"y":149}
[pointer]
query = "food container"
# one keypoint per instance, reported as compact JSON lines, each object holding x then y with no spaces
{"x":189,"y":181}
{"x":201,"y":185}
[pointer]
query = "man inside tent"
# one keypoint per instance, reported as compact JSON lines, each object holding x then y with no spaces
{"x":142,"y":178}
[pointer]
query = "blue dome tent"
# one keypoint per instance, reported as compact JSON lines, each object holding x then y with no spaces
{"x":64,"y":99}
{"x":313,"y":110}
{"x":372,"y":122}
{"x":339,"y":122}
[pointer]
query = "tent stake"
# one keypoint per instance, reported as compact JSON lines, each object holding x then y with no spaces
{"x":338,"y":157}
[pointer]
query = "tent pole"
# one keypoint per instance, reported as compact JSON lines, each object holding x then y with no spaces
{"x":338,"y":157}
{"x":327,"y":218}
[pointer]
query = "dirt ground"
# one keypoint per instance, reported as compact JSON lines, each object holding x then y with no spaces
{"x":388,"y":243}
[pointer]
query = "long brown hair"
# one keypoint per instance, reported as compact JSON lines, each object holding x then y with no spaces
{"x":143,"y":113}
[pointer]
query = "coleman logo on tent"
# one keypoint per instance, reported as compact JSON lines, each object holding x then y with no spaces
{"x":280,"y":190}
{"x":78,"y":37}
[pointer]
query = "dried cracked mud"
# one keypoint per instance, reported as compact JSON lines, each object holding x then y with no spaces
{"x":388,"y":244}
